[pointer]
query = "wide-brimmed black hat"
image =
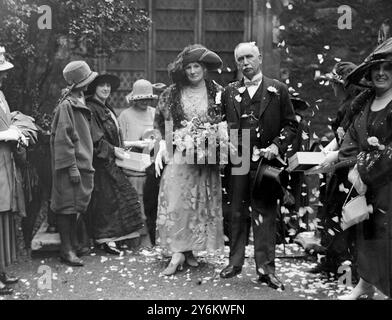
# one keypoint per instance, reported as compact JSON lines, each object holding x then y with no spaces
{"x":383,"y":53}
{"x":113,"y":80}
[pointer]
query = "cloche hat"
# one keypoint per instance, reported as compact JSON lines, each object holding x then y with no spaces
{"x":78,"y":74}
{"x":142,"y":89}
{"x":4,"y":64}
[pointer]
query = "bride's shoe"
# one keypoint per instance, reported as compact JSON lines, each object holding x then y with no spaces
{"x":190,"y":259}
{"x":362,"y":289}
{"x":177,"y":260}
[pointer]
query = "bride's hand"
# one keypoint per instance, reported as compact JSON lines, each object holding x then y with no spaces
{"x":160,"y":158}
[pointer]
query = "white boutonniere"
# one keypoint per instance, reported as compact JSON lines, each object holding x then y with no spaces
{"x":272,"y":89}
{"x":218,"y":97}
{"x":373,"y":141}
{"x":238,"y":98}
{"x":241,"y":90}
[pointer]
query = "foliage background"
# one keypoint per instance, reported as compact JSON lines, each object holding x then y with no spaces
{"x":310,"y":28}
{"x":84,"y":29}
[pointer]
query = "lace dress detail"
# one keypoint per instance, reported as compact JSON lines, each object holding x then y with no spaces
{"x":195,"y":102}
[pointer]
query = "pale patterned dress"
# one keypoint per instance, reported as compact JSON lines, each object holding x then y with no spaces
{"x":190,"y":198}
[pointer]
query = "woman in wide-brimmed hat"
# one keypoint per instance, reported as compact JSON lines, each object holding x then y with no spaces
{"x":190,"y":199}
{"x":72,"y":151}
{"x":369,"y":139}
{"x":114,"y":212}
{"x":9,"y":136}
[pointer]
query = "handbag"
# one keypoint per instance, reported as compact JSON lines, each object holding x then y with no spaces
{"x":354,"y":211}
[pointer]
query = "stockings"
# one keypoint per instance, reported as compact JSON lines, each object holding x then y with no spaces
{"x":66,"y":224}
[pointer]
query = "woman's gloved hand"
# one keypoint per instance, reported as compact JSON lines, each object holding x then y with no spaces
{"x":74,"y":174}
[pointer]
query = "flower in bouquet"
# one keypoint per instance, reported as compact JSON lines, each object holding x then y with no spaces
{"x":206,"y":141}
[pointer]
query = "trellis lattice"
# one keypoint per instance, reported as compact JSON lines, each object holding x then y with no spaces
{"x":223,"y":41}
{"x":175,"y":20}
{"x":178,"y":4}
{"x":163,"y":58}
{"x":174,"y":39}
{"x":223,"y":21}
{"x":225,"y":4}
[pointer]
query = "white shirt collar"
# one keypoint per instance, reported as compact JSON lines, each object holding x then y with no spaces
{"x":257,"y":77}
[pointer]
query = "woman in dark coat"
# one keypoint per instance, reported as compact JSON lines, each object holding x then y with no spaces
{"x":370,"y":137}
{"x":114,"y":213}
{"x":338,"y":243}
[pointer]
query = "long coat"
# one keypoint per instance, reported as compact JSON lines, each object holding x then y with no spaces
{"x":7,"y":185}
{"x":71,"y":144}
{"x":375,"y":168}
{"x":115,"y":208}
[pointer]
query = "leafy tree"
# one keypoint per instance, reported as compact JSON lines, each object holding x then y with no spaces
{"x":80,"y":29}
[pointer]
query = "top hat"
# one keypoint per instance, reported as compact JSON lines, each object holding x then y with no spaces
{"x":267,"y":182}
{"x":4,"y":64}
{"x":113,"y":80}
{"x":142,"y":89}
{"x":78,"y":74}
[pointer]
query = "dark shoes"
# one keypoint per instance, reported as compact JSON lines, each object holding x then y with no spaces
{"x":230,"y":271}
{"x":71,"y":259}
{"x":83,"y":251}
{"x":6,"y":279}
{"x":111,"y":249}
{"x":272,"y":281}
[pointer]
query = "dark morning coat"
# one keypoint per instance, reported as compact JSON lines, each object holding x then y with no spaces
{"x":115,"y":208}
{"x":276,"y":124}
{"x":71,"y":144}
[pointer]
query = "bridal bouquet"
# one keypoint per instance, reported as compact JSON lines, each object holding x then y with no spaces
{"x":207,"y":142}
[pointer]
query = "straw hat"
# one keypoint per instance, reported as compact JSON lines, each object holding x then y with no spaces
{"x":142,"y":89}
{"x":4,"y":64}
{"x":78,"y":74}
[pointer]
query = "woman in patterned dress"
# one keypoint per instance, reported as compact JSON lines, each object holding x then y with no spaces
{"x":190,"y":201}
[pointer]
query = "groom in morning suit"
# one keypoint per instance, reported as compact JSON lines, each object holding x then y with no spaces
{"x":262,"y":106}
